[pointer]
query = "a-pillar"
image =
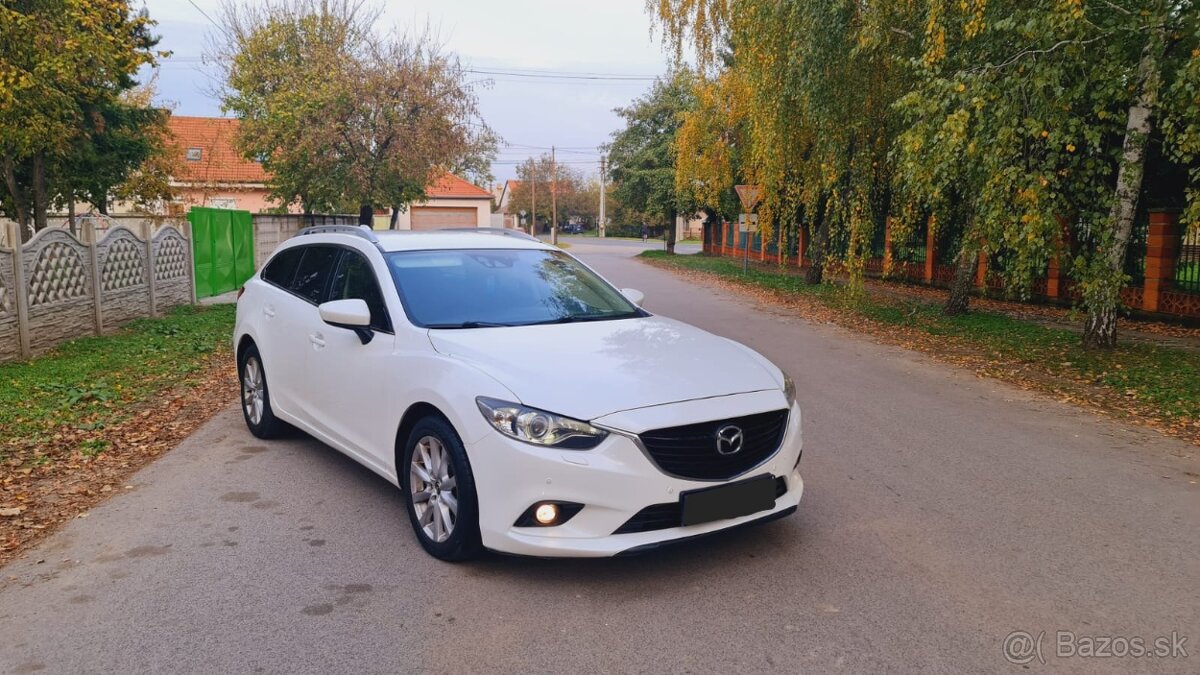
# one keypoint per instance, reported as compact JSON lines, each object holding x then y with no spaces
{"x":1162,"y":255}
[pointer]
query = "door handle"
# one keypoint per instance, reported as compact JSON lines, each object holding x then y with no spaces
{"x":269,"y":311}
{"x":317,"y":340}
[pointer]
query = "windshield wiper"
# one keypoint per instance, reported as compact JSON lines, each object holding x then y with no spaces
{"x":468,"y":324}
{"x":580,"y":318}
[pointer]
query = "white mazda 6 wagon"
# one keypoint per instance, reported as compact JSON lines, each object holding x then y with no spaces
{"x":520,"y":402}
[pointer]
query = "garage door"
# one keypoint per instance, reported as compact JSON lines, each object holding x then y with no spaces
{"x":436,"y":217}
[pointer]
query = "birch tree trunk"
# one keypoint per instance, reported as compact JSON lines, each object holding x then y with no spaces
{"x":820,"y":238}
{"x":959,"y":301}
{"x":1103,"y":298}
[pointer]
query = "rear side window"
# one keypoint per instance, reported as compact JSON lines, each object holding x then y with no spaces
{"x":282,"y":268}
{"x":316,"y":267}
{"x":356,"y":279}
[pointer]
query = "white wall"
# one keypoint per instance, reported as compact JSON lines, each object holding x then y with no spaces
{"x":483,"y":216}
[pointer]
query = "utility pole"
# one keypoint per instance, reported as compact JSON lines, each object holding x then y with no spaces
{"x":533,"y":217}
{"x":603,"y":171}
{"x":553,"y":199}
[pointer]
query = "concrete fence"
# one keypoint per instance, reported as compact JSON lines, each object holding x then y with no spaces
{"x":57,"y":286}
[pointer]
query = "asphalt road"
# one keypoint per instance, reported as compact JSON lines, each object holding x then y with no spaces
{"x":942,"y":513}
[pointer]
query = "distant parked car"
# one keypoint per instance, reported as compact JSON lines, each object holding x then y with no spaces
{"x":519,"y":401}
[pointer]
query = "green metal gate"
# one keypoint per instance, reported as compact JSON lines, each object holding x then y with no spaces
{"x":223,"y":248}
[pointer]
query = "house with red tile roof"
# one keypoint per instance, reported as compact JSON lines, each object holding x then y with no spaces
{"x":211,"y":170}
{"x":512,"y":219}
{"x":451,"y":202}
{"x":213,"y":173}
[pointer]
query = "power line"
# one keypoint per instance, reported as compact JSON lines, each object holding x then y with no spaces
{"x":567,"y":83}
{"x":205,"y":14}
{"x":563,"y":75}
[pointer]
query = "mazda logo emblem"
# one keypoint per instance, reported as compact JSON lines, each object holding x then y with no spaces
{"x":729,"y":440}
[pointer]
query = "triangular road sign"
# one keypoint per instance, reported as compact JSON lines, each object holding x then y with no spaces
{"x":749,"y":194}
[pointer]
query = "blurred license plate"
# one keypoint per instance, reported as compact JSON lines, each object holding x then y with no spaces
{"x":728,"y":501}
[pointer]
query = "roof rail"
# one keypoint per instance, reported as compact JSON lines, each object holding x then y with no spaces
{"x":357,"y":230}
{"x":501,"y":231}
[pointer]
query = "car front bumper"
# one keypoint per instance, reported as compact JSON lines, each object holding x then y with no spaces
{"x":614,"y":482}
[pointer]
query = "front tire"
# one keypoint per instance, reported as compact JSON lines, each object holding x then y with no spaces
{"x":439,"y":491}
{"x":256,"y":396}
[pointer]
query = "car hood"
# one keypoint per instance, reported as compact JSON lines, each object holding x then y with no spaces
{"x":591,"y":369}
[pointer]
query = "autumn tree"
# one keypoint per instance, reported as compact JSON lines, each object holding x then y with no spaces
{"x":642,"y":156}
{"x":63,"y":67}
{"x":148,"y":187}
{"x":710,"y":142}
{"x":1033,"y":122}
{"x":545,"y":176}
{"x":125,"y":155}
{"x":789,"y":73}
{"x":1014,"y":130}
{"x":340,"y":114}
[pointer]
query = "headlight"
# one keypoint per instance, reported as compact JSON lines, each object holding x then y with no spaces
{"x":789,"y":389}
{"x":538,"y":426}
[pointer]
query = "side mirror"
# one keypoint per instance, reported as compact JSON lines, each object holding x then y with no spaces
{"x":633,"y":295}
{"x":352,"y":314}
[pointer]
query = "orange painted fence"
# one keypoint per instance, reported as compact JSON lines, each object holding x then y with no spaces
{"x":1160,"y":291}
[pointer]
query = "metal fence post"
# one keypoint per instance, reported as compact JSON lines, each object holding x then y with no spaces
{"x":21,"y":289}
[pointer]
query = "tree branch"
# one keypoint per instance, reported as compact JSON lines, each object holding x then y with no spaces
{"x":1036,"y":52}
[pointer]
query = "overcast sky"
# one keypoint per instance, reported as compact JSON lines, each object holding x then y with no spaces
{"x":571,"y":36}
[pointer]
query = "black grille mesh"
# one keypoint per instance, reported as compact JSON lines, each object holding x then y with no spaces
{"x":690,"y":451}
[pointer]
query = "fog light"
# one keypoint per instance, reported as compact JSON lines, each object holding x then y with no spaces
{"x":546,"y":514}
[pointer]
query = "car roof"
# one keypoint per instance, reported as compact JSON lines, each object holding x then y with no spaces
{"x":424,"y":240}
{"x":453,"y":239}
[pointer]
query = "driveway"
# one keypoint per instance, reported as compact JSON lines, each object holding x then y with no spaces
{"x":942,"y":513}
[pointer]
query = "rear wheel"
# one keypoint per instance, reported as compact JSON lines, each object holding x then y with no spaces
{"x":256,"y":396}
{"x":439,"y":490}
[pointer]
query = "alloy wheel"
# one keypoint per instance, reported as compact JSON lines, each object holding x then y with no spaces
{"x":434,"y":489}
{"x":253,"y":390}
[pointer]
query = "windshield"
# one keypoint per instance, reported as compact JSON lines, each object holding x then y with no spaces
{"x":479,"y":288}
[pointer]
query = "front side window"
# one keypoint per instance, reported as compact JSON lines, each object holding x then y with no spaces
{"x":494,"y":287}
{"x":282,"y":268}
{"x":356,"y":279}
{"x":312,"y":276}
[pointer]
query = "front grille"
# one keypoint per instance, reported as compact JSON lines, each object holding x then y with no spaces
{"x":691,"y":451}
{"x":668,"y":515}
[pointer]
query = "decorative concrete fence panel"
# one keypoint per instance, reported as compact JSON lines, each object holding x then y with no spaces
{"x":57,"y":286}
{"x":173,"y":268}
{"x":124,"y":288}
